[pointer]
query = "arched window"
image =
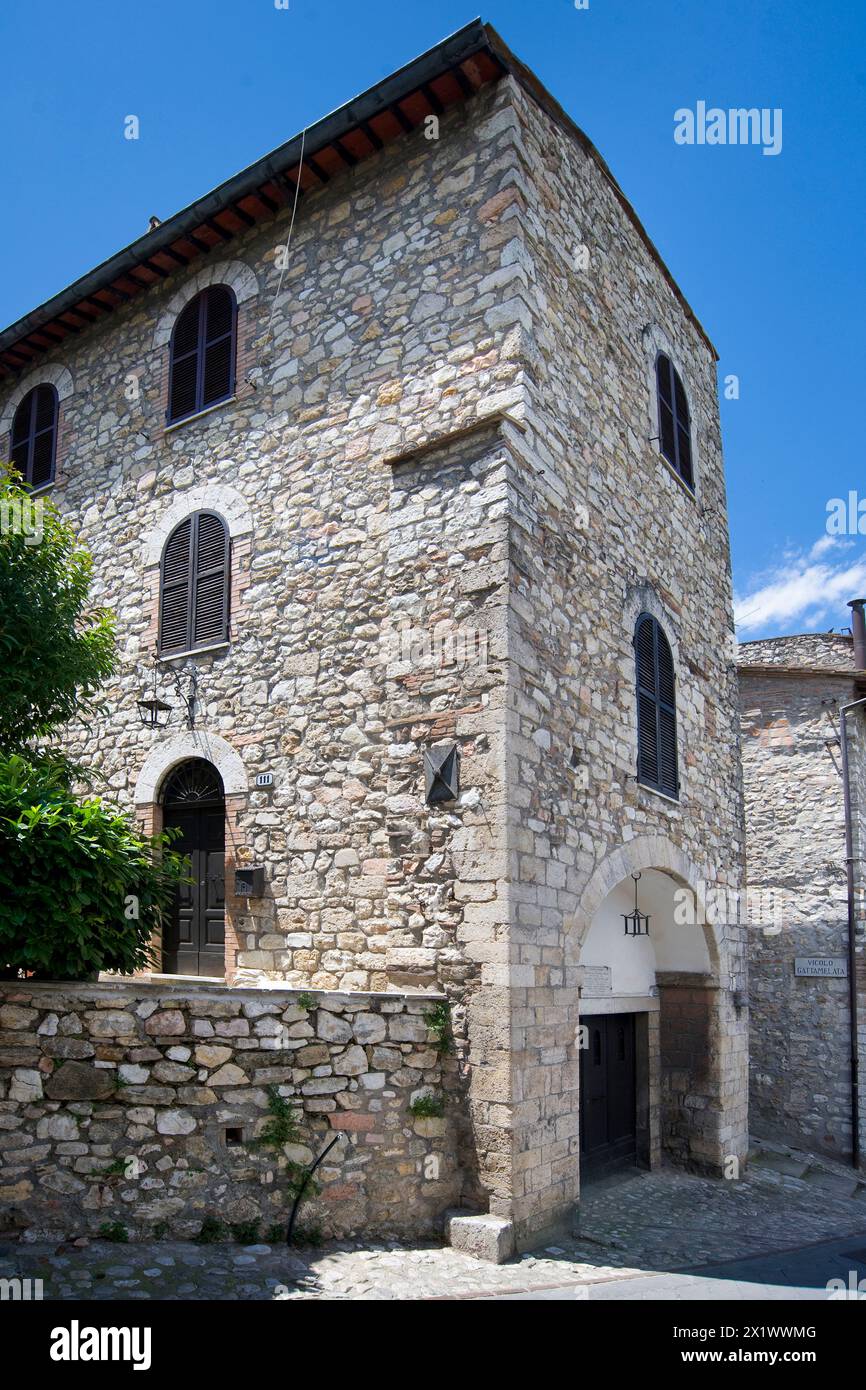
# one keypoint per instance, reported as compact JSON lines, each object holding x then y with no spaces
{"x":202,"y":353}
{"x":34,"y":436}
{"x":656,"y":708}
{"x":675,"y":431}
{"x":194,"y":585}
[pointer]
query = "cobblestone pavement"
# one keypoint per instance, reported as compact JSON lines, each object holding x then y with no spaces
{"x":636,"y":1226}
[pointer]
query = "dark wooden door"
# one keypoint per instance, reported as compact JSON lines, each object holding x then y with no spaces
{"x":608,"y":1128}
{"x":195,"y":937}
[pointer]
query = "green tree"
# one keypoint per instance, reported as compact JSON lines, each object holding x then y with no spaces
{"x":55,"y":649}
{"x":80,"y":889}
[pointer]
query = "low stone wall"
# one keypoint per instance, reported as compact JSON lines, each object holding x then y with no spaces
{"x":138,"y":1105}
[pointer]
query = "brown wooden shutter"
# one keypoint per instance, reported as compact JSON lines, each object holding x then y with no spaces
{"x":684,"y":430}
{"x":647,"y":730}
{"x":210,"y":601}
{"x":667,"y":430}
{"x":667,"y":717}
{"x":675,"y":432}
{"x":656,"y":708}
{"x":175,"y":590}
{"x":20,"y":451}
{"x":219,"y":345}
{"x":184,"y":362}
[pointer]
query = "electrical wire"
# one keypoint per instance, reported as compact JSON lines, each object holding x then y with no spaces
{"x":269,"y":339}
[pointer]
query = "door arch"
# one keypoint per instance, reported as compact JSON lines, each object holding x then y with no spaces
{"x":193,"y":801}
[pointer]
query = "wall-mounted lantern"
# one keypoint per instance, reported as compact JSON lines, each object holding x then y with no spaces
{"x":154,"y":712}
{"x":636,"y":922}
{"x":441,"y":773}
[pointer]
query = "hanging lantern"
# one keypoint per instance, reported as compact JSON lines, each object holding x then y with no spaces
{"x":152,"y":711}
{"x":636,"y":922}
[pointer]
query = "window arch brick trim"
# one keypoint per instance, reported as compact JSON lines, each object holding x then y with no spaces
{"x":52,"y":375}
{"x":237,"y":275}
{"x":216,"y":497}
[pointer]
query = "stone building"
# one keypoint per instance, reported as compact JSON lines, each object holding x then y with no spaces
{"x":405,"y":492}
{"x":793,"y":691}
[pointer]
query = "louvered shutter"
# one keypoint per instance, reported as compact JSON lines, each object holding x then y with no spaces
{"x":34,"y":435}
{"x":20,"y":450}
{"x":656,"y":708}
{"x":175,"y":596}
{"x":647,"y":731}
{"x":667,"y":718}
{"x":667,"y":431}
{"x":202,"y":362}
{"x":675,"y":433}
{"x":684,"y":432}
{"x":210,"y":603}
{"x":219,"y":345}
{"x":184,"y":362}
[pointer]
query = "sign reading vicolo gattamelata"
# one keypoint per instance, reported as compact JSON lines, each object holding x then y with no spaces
{"x":816,"y":966}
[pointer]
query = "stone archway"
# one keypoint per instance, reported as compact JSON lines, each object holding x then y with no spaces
{"x":195,"y":743}
{"x":673,"y":991}
{"x":161,"y":762}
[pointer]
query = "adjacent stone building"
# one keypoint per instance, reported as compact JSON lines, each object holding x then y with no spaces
{"x":792,"y":692}
{"x":467,"y":457}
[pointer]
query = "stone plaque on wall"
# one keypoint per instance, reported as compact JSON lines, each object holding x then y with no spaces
{"x":814,"y":967}
{"x":596,"y":979}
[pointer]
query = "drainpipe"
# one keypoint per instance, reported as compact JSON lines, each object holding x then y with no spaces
{"x":849,"y":875}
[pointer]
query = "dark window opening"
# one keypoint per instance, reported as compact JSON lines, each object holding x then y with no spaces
{"x":34,"y":436}
{"x":202,"y":353}
{"x":675,"y":434}
{"x":656,"y":708}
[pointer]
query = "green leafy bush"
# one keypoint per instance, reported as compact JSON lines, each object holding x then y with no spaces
{"x":80,"y":889}
{"x":56,"y":649}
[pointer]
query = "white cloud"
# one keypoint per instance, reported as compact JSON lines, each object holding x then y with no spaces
{"x":802,"y":591}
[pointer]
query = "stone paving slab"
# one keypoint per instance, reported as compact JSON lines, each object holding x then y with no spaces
{"x":632,"y":1228}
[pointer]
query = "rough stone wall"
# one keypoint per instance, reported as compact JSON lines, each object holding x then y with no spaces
{"x":388,"y":334}
{"x":601,"y":529}
{"x":834,"y":649}
{"x":691,"y":1025}
{"x":800,"y":1086}
{"x":118,"y":1104}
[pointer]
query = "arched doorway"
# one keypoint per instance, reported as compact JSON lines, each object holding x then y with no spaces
{"x":653,"y":1043}
{"x":194,"y":803}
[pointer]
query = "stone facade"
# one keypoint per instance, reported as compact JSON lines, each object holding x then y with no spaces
{"x":447,"y":510}
{"x":142,"y":1107}
{"x":791,"y":689}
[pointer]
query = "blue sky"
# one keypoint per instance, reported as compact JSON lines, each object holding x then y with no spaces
{"x":769,"y":250}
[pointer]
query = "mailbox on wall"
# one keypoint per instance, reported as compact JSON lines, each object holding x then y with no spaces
{"x":250,"y":881}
